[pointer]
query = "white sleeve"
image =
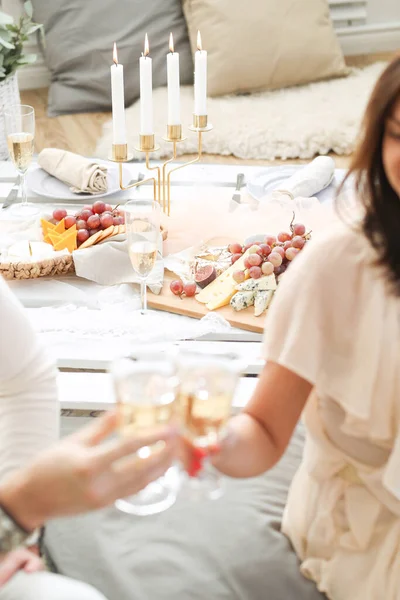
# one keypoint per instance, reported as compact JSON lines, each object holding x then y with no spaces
{"x":29,"y":411}
{"x":311,"y":308}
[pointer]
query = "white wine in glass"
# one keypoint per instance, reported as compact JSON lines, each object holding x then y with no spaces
{"x":146,"y":388}
{"x":142,"y":222}
{"x":207,"y":383}
{"x":19,"y":121}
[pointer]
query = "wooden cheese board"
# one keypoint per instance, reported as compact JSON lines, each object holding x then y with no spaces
{"x":190,"y":307}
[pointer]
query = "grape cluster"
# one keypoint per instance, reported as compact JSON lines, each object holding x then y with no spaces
{"x":179,"y":288}
{"x":91,"y":219}
{"x":272,"y":255}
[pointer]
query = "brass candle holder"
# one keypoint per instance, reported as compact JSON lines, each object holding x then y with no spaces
{"x":147,"y":145}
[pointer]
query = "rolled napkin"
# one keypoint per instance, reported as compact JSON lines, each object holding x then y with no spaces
{"x":309,"y":180}
{"x":83,"y":175}
{"x":108,"y":263}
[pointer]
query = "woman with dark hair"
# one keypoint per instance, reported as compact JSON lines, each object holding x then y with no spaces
{"x":332,"y":350}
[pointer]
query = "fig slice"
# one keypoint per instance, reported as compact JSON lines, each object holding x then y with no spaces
{"x":205,"y":275}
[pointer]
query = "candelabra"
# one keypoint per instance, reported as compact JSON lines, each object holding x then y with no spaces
{"x":147,"y":145}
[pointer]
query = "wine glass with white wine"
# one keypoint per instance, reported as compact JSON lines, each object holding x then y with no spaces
{"x":19,"y":122}
{"x":142,"y":222}
{"x":207,"y":383}
{"x":146,"y":387}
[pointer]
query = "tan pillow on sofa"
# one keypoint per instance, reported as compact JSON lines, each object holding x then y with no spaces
{"x":264,"y":44}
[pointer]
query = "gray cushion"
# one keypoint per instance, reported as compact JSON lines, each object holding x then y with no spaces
{"x":227,"y":549}
{"x":79,"y":39}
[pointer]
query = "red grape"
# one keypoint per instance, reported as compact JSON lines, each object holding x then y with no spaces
{"x":254,"y":260}
{"x":279,"y":250}
{"x":122,"y":218}
{"x":117,"y":221}
{"x":283,"y":236}
{"x":298,"y":242}
{"x":239,"y":276}
{"x":287,"y":245}
{"x":255,"y":272}
{"x":88,"y":207}
{"x":99,"y":207}
{"x":270,"y":240}
{"x":59,"y":213}
{"x":190,"y":288}
{"x":299,"y":229}
{"x":82,"y":235}
{"x":106,"y":220}
{"x":275,"y":259}
{"x":81,"y":224}
{"x":93,"y":231}
{"x":70,"y":221}
{"x":235,"y":257}
{"x":291,"y":253}
{"x":246,"y":263}
{"x":93,"y":222}
{"x":235,"y":248}
{"x":255,"y":248}
{"x":85,"y":214}
{"x":267,"y":268}
{"x":265,"y":249}
{"x":176,"y":287}
{"x":247,"y":246}
{"x":108,"y":207}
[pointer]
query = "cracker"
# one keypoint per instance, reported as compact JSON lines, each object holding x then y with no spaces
{"x":121,"y":229}
{"x":106,"y":233}
{"x":91,"y":241}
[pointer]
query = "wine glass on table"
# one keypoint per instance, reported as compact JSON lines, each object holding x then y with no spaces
{"x":146,"y":387}
{"x":207,"y":384}
{"x":19,"y":122}
{"x":142,"y":222}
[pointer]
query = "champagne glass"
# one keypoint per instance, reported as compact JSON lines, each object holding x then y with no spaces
{"x":146,"y":386}
{"x":142,"y":222}
{"x":19,"y":121}
{"x":207,"y":383}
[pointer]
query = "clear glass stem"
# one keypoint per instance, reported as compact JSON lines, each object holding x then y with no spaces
{"x":143,"y":295}
{"x":22,"y":187}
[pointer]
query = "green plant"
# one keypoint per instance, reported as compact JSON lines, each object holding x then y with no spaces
{"x":13,"y":36}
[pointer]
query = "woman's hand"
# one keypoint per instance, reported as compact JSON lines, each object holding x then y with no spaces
{"x":80,"y":474}
{"x":17,"y":560}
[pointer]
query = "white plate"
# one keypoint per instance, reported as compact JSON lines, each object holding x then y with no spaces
{"x":273,"y":178}
{"x":43,"y":184}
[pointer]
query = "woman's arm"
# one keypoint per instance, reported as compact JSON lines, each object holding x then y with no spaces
{"x":257,"y":438}
{"x":29,"y":411}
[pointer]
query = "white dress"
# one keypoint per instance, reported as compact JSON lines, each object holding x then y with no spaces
{"x":29,"y":409}
{"x":335,"y":323}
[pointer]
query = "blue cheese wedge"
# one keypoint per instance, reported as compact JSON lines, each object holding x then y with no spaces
{"x":261,"y":301}
{"x":242,"y":300}
{"x":268,"y":282}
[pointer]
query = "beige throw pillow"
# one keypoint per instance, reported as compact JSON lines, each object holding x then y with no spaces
{"x":264,"y":44}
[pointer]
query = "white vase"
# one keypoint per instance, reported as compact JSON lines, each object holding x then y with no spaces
{"x":9,"y":94}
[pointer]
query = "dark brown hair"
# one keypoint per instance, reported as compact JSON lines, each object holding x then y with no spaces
{"x":381,"y":222}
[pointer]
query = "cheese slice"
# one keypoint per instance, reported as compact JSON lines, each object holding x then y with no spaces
{"x":267,"y":282}
{"x":46,"y":226}
{"x":53,"y":236}
{"x":60,"y":227}
{"x":67,"y":241}
{"x":220,"y":291}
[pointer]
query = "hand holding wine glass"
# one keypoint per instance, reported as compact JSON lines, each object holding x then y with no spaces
{"x":19,"y":121}
{"x":142,"y":222}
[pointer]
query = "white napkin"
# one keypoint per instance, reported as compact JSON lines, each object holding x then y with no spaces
{"x":108,"y":263}
{"x":310,"y":180}
{"x":83,"y":175}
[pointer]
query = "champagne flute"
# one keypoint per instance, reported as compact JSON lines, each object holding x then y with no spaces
{"x":146,"y":386}
{"x":19,"y":121}
{"x":142,"y":222}
{"x":207,"y":383}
